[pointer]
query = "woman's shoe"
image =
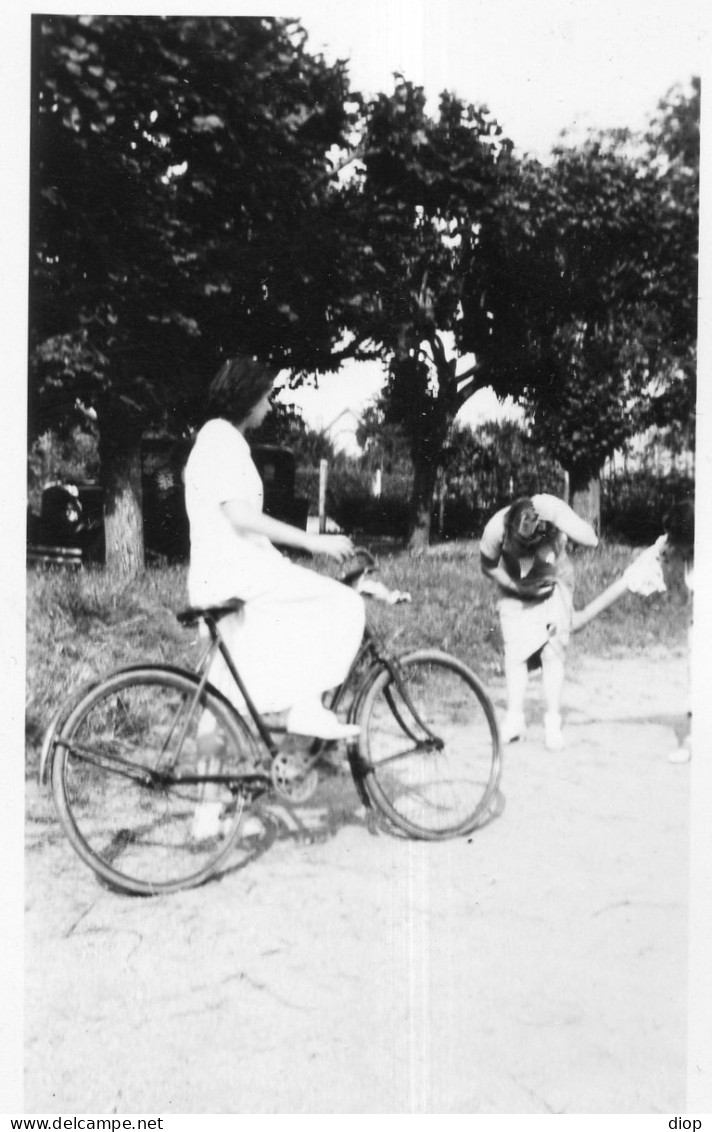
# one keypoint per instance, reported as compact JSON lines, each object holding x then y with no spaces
{"x":683,"y":752}
{"x":513,"y":727}
{"x":319,"y":723}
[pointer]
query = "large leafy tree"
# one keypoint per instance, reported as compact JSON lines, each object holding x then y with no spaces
{"x":180,"y":168}
{"x":580,"y":299}
{"x":673,"y":151}
{"x":424,"y":189}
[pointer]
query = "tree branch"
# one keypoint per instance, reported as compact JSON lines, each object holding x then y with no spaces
{"x":471,"y":386}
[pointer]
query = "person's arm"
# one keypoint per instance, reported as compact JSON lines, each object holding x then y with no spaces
{"x":554,"y":510}
{"x":491,"y":551}
{"x":247,"y":519}
{"x":498,"y":574}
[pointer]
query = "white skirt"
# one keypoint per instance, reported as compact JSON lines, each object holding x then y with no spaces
{"x":294,"y":641}
{"x":529,"y":625}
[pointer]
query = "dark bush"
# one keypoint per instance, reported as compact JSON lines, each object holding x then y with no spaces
{"x":633,"y":504}
{"x":360,"y":513}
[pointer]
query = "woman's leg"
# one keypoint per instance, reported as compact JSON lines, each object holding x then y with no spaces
{"x":552,"y":678}
{"x":294,"y":642}
{"x":516,"y":677}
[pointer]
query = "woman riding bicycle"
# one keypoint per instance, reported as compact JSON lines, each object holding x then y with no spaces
{"x":298,"y":631}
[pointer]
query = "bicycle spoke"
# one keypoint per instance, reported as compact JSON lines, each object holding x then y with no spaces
{"x":442,"y":783}
{"x":147,"y":780}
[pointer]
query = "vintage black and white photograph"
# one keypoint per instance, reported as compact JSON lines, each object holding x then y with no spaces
{"x":365,"y":729}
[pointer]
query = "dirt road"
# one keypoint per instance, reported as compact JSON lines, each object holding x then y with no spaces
{"x":536,"y":967}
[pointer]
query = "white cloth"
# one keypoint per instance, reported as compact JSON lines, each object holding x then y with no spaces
{"x":298,"y":631}
{"x":528,"y":626}
{"x":645,"y":574}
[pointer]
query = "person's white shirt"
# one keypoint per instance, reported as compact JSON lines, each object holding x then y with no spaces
{"x":225,"y":562}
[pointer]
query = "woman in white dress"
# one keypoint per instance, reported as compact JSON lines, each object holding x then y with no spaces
{"x":298,"y":631}
{"x":523,"y":550}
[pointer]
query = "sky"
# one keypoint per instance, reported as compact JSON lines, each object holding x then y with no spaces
{"x":541,"y":68}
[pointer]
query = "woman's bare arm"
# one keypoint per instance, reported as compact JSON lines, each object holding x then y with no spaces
{"x":249,"y":520}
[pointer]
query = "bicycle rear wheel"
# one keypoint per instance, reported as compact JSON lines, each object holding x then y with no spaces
{"x":429,"y":746}
{"x":146,"y":780}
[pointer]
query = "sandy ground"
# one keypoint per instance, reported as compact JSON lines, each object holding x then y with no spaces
{"x":538,"y":966}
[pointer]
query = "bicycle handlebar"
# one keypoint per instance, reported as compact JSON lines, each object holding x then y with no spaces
{"x":371,"y":589}
{"x":363,"y":552}
{"x":352,"y":576}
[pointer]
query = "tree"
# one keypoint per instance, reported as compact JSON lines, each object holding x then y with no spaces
{"x":285,"y":426}
{"x":413,"y":214}
{"x":179,"y":168}
{"x":496,"y":459}
{"x":384,"y":445}
{"x":569,"y":300}
{"x":673,"y":149}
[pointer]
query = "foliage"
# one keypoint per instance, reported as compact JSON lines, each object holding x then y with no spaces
{"x":362,"y":514}
{"x":425,"y":187}
{"x":673,"y":146}
{"x":498,"y":460}
{"x":285,"y":425}
{"x":186,"y":177}
{"x":56,"y":457}
{"x":179,"y":169}
{"x":581,"y":293}
{"x":186,"y":205}
{"x":384,"y":443}
{"x":634,"y":503}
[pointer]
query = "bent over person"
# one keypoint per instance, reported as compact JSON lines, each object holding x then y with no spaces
{"x":298,"y":631}
{"x":523,"y":550}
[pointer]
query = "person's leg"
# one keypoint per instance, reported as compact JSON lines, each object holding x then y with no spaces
{"x":552,"y":679}
{"x":309,"y":717}
{"x":516,"y":676}
{"x":683,"y":751}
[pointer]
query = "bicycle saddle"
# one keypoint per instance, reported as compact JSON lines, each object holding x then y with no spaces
{"x":196,"y":613}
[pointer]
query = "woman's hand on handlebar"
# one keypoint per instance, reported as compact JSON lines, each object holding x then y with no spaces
{"x":338,"y":547}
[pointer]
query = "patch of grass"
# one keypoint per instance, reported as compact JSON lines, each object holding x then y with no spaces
{"x":81,"y":626}
{"x":454,"y":606}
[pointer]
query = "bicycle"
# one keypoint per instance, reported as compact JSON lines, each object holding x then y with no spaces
{"x":139,"y":759}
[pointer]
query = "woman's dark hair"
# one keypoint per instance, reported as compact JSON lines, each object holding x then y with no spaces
{"x":522,"y":520}
{"x":238,"y":386}
{"x":679,"y":524}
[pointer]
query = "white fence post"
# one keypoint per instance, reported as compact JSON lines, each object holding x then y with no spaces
{"x":323,"y":476}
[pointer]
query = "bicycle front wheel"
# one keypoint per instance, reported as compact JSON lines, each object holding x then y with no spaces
{"x":146,"y":780}
{"x":429,"y":746}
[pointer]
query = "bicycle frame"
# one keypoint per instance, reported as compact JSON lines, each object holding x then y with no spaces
{"x":371,"y":646}
{"x":217,"y":644}
{"x":163,"y":713}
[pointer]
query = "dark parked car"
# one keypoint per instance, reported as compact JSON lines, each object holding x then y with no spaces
{"x":69,"y":529}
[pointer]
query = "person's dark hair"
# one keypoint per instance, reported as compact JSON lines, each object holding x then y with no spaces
{"x":238,"y":386}
{"x":522,"y":520}
{"x":679,"y":524}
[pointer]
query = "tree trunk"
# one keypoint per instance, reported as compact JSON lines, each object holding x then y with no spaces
{"x":120,"y":454}
{"x":586,"y":498}
{"x":424,"y":474}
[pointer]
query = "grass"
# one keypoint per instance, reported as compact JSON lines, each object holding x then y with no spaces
{"x":81,"y":625}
